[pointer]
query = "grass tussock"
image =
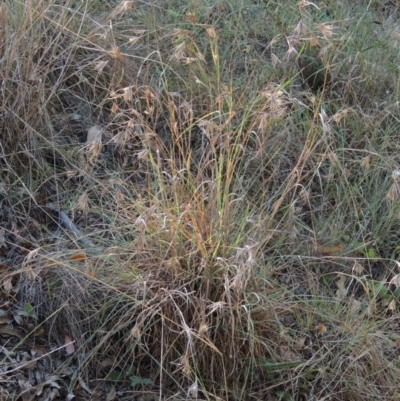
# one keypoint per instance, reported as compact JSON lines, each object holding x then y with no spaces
{"x":203,"y":196}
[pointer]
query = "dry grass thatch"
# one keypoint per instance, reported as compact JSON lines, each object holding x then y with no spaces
{"x":180,"y":202}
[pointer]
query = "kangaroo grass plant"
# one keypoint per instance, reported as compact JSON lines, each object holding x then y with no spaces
{"x":199,"y":200}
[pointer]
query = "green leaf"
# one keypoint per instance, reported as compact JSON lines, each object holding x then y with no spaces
{"x":284,"y":396}
{"x":371,"y":254}
{"x":28,"y":310}
{"x":379,"y":289}
{"x":396,"y":293}
{"x":136,"y":380}
{"x":173,"y":14}
{"x":115,"y":375}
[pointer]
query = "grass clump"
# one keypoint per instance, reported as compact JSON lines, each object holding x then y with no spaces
{"x":203,"y":196}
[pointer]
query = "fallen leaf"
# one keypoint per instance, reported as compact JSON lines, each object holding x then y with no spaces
{"x":111,"y":394}
{"x":11,"y":332}
{"x":392,"y":305}
{"x":340,"y":284}
{"x":299,"y":344}
{"x":357,"y":268}
{"x":69,"y":345}
{"x":78,"y":256}
{"x":5,"y":319}
{"x":7,"y":286}
{"x":39,"y":332}
{"x":354,"y":305}
{"x":84,"y":385}
{"x":107,"y":363}
{"x":395,"y":280}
